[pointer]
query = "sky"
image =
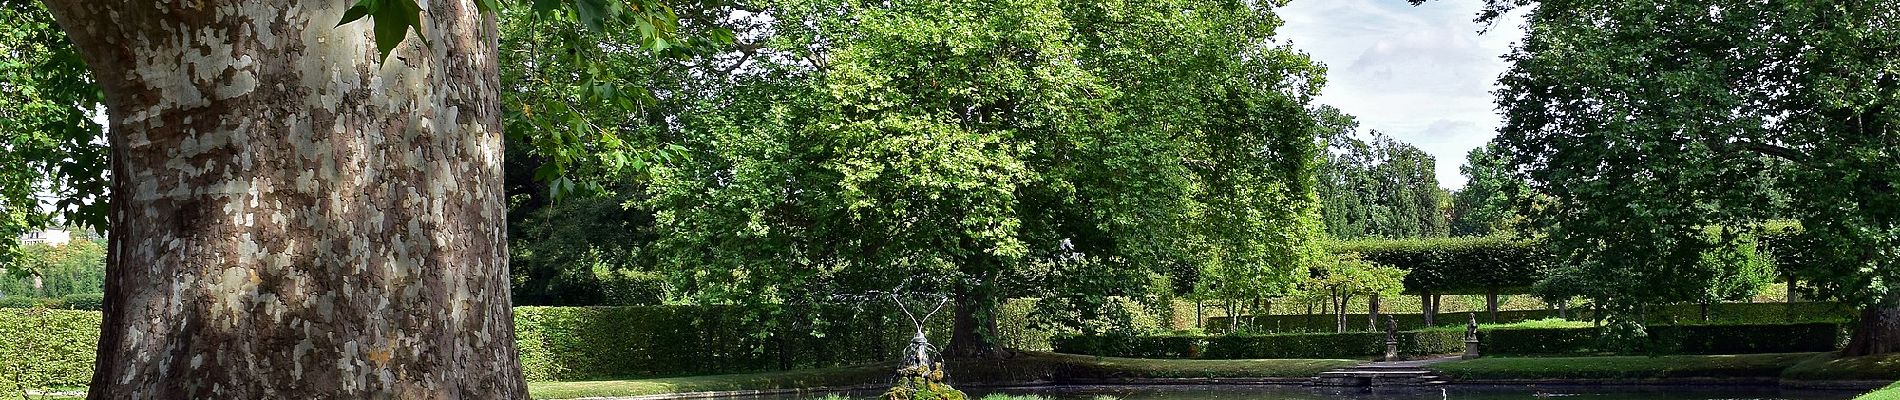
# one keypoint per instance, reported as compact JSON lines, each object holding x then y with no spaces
{"x":1422,"y":74}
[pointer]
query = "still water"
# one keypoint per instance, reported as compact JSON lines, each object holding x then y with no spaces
{"x":1432,"y":393}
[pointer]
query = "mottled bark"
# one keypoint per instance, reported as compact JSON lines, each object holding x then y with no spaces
{"x":291,"y":218}
{"x":1877,"y":332}
{"x":1426,"y":303}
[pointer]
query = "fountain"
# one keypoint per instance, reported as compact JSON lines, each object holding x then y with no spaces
{"x":921,"y":376}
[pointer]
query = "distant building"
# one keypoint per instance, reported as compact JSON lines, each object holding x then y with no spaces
{"x":50,"y":237}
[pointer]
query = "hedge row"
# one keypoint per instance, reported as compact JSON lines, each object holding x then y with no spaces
{"x":84,"y":301}
{"x":1666,"y":339}
{"x":582,"y":343}
{"x":1659,"y":339}
{"x":1458,"y":265}
{"x":42,"y":349}
{"x":1726,"y":313}
{"x":1237,"y":347}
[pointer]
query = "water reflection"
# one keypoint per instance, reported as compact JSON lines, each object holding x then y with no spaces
{"x":1432,"y":393}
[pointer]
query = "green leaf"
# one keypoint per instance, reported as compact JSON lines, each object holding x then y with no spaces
{"x":488,"y":6}
{"x":392,"y":18}
{"x":357,"y":12}
{"x":593,"y":14}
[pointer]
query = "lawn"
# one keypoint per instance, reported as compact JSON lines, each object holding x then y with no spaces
{"x":1624,"y":367}
{"x":1891,"y":392}
{"x":1828,"y":367}
{"x":1024,"y":367}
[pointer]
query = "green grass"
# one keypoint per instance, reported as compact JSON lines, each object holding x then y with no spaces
{"x":1024,"y":367}
{"x":1623,"y":367}
{"x":1829,"y":366}
{"x":1891,"y":392}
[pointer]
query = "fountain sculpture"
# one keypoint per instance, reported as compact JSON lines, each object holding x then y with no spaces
{"x":921,"y":377}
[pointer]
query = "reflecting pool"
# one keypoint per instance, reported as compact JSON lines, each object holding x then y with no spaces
{"x":1451,"y":392}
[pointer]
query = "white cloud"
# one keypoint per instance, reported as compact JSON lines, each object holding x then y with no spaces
{"x":1420,"y":74}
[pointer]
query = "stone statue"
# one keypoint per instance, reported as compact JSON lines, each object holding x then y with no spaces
{"x":1391,"y":339}
{"x":1391,"y":329}
{"x":1471,"y":338}
{"x":1471,"y":328}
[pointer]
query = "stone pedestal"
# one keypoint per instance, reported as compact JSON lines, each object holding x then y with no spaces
{"x":1471,"y":350}
{"x":1391,"y":350}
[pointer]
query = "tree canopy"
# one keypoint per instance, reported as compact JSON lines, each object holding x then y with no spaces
{"x":1377,"y":186}
{"x":1649,"y":133}
{"x":975,"y":143}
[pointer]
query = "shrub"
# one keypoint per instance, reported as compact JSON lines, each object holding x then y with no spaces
{"x":1723,"y":313}
{"x":1665,"y":339}
{"x":42,"y":348}
{"x":1515,"y":341}
{"x":18,"y":302}
{"x":1234,"y":347}
{"x":570,"y":343}
{"x":85,"y":301}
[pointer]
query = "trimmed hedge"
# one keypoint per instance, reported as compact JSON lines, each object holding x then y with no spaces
{"x":1458,"y":265}
{"x":83,"y":301}
{"x":1504,"y":341}
{"x":1240,"y":347}
{"x":1666,"y":339}
{"x":1723,"y":313}
{"x":585,"y":343}
{"x":41,"y":348}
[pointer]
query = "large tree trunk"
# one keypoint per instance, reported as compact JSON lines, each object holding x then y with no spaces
{"x":1878,"y":332}
{"x":973,"y":330}
{"x":291,"y":218}
{"x":1431,"y":312}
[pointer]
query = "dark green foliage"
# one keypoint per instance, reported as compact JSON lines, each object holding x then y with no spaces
{"x":1622,"y":367}
{"x":1458,"y":265}
{"x":1380,"y":187}
{"x":575,"y":343}
{"x":1327,"y":323}
{"x":84,"y":301}
{"x":19,"y":302}
{"x":1644,"y":132}
{"x":1235,"y":347}
{"x":583,"y":251}
{"x":1723,"y":313}
{"x":1487,"y":204}
{"x":1666,"y":339}
{"x":44,"y":349}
